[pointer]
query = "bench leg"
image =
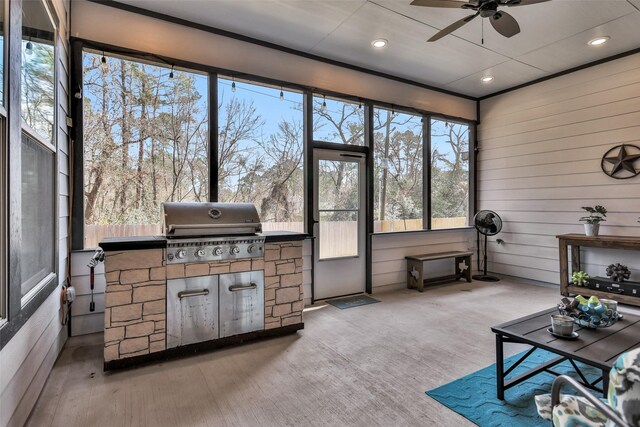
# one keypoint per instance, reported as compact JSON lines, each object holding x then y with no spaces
{"x":463,"y":273}
{"x":467,"y":272}
{"x":415,"y":275}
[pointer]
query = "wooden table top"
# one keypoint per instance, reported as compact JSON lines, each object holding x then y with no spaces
{"x":596,"y":347}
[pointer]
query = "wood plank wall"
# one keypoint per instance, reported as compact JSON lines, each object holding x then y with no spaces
{"x":389,"y":266}
{"x":539,"y":162}
{"x":27,"y":359}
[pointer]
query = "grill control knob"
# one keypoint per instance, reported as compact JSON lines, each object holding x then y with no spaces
{"x":251,"y":249}
{"x":200,"y":253}
{"x":235,"y":250}
{"x":181,"y":254}
{"x":218,"y":251}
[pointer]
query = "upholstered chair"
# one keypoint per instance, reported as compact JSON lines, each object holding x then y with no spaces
{"x":622,"y":408}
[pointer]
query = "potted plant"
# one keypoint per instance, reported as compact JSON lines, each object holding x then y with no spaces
{"x":593,"y":220}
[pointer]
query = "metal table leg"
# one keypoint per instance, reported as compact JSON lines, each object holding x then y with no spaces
{"x":499,"y":367}
{"x":605,"y":383}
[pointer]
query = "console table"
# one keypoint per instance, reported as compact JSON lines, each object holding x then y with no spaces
{"x":578,"y":240}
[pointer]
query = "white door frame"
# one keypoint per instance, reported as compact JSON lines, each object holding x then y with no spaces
{"x":341,"y":275}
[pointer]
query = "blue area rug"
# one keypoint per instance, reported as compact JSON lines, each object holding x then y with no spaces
{"x":474,"y":396}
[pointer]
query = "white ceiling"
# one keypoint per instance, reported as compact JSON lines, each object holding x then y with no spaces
{"x":553,"y":36}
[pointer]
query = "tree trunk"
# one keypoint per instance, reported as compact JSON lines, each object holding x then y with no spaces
{"x":126,"y":135}
{"x":383,"y":185}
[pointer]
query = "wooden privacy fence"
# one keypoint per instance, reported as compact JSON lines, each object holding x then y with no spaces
{"x":337,"y":238}
{"x":94,"y":233}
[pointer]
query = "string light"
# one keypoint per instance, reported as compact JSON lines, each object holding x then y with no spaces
{"x":233,"y":85}
{"x":281,"y":94}
{"x":103,"y":59}
{"x":324,"y":104}
{"x":171,"y":73}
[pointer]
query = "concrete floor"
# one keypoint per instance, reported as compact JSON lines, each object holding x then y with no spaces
{"x":365,"y":366}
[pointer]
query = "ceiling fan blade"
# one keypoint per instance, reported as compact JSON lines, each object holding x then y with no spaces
{"x":505,"y":24}
{"x":454,"y":4}
{"x":451,"y":28}
{"x":522,"y":2}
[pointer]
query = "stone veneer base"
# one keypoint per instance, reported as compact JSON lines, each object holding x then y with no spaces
{"x":187,"y":350}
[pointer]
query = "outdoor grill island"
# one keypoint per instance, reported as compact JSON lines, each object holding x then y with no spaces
{"x":212,"y":280}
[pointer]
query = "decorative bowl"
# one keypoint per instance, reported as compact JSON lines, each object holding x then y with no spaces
{"x":608,"y":318}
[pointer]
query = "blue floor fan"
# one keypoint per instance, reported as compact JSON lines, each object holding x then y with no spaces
{"x":487,"y":223}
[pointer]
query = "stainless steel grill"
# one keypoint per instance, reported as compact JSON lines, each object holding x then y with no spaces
{"x":200,"y":232}
{"x":210,"y":219}
{"x":203,"y":308}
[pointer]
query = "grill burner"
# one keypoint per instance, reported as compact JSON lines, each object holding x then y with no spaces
{"x":214,"y":249}
{"x":224,"y":231}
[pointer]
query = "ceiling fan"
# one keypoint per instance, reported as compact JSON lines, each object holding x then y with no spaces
{"x":502,"y":22}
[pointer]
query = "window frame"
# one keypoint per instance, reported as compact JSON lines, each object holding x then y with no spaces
{"x":271,"y":85}
{"x":52,"y":147}
{"x":472,"y":162}
{"x":20,"y":308}
{"x":426,"y":171}
{"x":3,"y":174}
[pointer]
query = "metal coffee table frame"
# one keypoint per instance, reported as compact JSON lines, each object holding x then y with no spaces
{"x":595,"y":347}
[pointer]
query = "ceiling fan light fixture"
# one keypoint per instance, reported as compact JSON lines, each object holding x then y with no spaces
{"x":598,"y":41}
{"x":486,"y":79}
{"x":379,"y":43}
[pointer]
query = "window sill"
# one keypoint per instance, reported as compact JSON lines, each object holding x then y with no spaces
{"x":10,"y":327}
{"x":438,"y":230}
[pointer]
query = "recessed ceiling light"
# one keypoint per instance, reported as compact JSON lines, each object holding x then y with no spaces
{"x":486,"y":79}
{"x":379,"y":43}
{"x":598,"y":41}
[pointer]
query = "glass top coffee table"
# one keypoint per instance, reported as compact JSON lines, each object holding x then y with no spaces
{"x":595,"y":347}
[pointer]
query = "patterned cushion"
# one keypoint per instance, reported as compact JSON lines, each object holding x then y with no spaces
{"x":624,"y":387}
{"x":623,"y":393}
{"x":572,"y":411}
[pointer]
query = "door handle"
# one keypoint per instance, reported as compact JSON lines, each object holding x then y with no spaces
{"x":238,"y":288}
{"x":194,"y":293}
{"x":615,"y":290}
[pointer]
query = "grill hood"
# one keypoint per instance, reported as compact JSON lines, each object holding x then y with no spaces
{"x":210,"y":219}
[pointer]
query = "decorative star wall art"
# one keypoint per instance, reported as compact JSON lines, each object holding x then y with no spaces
{"x":621,"y":162}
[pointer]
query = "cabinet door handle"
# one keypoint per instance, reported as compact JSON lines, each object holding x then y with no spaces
{"x":238,"y":288}
{"x":194,"y":293}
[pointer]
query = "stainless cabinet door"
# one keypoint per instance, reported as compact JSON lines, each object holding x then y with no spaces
{"x":241,"y":303}
{"x":192,"y":310}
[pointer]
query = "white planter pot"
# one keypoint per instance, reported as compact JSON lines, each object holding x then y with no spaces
{"x":591,"y":229}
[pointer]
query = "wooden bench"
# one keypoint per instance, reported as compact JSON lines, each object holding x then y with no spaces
{"x":415,"y":268}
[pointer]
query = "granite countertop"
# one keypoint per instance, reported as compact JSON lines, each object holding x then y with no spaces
{"x":155,"y":242}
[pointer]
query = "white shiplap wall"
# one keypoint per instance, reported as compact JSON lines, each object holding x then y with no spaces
{"x":389,"y":267}
{"x":539,"y":162}
{"x":85,"y":322}
{"x":27,"y":359}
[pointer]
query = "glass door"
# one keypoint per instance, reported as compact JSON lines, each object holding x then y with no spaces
{"x":339,"y":228}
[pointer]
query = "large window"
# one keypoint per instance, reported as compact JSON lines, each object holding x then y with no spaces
{"x":145,"y":142}
{"x":260,"y":151}
{"x":398,"y":171}
{"x":338,"y":121}
{"x":449,"y":174}
{"x":37,"y":186}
